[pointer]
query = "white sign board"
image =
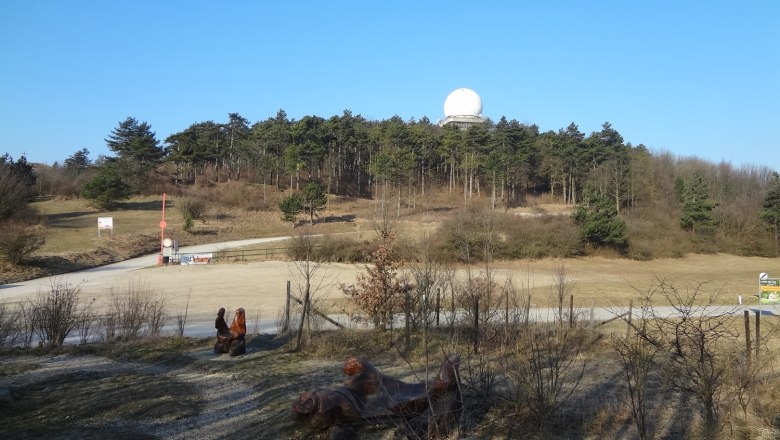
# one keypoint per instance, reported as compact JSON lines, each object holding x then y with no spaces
{"x":203,"y":258}
{"x":105,"y":222}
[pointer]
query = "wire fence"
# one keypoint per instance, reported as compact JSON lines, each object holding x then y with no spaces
{"x":234,"y":255}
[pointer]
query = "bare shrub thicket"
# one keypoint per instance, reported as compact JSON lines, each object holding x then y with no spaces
{"x":423,"y":296}
{"x":18,"y":241}
{"x":9,"y":322}
{"x":235,"y":194}
{"x":700,"y":343}
{"x":136,"y":311}
{"x":55,"y":312}
{"x":26,"y":325}
{"x":641,"y":364}
{"x":88,"y":323}
{"x":191,"y":209}
{"x":521,"y":237}
{"x":544,"y":369}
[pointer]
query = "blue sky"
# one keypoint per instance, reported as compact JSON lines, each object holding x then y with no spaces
{"x":691,"y":78}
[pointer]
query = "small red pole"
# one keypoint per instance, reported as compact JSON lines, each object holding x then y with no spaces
{"x":162,"y":231}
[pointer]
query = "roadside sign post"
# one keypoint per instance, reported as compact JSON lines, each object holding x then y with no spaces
{"x":768,"y":290}
{"x":106,"y":223}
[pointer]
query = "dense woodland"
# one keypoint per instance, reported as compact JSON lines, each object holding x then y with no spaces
{"x":624,"y":194}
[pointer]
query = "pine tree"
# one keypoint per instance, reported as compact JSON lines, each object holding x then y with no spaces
{"x":313,"y":200}
{"x":136,"y":142}
{"x":599,"y":222}
{"x":291,"y":206}
{"x":106,"y":188}
{"x":697,"y":212}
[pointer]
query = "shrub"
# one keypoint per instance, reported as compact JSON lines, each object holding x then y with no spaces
{"x":544,"y":369}
{"x":379,"y":292}
{"x":8,"y":325}
{"x":55,"y":313}
{"x":654,"y":232}
{"x":137,"y":311}
{"x":512,"y":236}
{"x":17,"y":242}
{"x":191,"y":209}
{"x":339,"y":249}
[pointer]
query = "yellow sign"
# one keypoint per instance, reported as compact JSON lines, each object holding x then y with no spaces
{"x":769,"y":290}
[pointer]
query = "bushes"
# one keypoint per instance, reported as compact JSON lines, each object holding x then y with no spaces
{"x":8,"y":325}
{"x":136,"y":311}
{"x":58,"y":313}
{"x":512,"y":236}
{"x":17,"y":241}
{"x":339,"y":249}
{"x":191,"y":208}
{"x":54,"y":313}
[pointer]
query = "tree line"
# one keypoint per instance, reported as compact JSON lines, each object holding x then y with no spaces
{"x":609,"y":180}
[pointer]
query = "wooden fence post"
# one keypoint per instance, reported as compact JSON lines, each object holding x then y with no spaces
{"x":571,"y":311}
{"x":628,"y":318}
{"x":758,"y":332}
{"x":286,"y":327}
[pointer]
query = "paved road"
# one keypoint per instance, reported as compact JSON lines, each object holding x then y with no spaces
{"x":102,"y":273}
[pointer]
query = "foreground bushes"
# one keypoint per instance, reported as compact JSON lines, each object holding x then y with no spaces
{"x":60,"y":312}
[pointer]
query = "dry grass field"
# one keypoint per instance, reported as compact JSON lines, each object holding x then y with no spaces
{"x":177,"y":388}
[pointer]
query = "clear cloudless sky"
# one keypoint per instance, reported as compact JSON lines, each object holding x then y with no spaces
{"x":694,"y":78}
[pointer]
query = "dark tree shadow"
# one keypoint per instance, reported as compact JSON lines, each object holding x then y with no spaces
{"x":153,"y":205}
{"x":266,"y":342}
{"x":349,"y":218}
{"x":64,"y":216}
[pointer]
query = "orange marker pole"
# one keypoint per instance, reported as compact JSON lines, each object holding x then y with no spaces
{"x":162,"y":231}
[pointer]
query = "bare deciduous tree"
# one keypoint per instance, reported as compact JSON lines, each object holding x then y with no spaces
{"x":309,"y":276}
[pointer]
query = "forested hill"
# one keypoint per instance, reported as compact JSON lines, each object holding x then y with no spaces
{"x":621,"y":191}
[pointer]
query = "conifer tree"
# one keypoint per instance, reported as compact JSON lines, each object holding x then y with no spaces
{"x":697,"y":212}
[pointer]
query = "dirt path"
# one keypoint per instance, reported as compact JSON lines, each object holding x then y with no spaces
{"x":226,"y":402}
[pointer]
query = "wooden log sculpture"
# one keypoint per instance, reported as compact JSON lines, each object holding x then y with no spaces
{"x":231,"y":340}
{"x":369,"y":397}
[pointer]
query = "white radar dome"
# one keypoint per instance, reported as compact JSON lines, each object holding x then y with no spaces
{"x":463,"y":102}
